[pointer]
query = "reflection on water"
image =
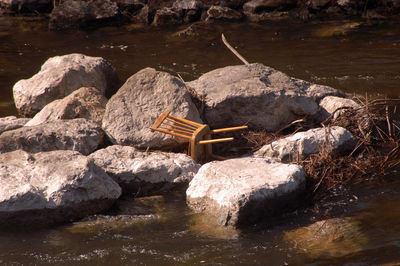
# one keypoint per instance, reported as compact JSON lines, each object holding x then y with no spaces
{"x":356,"y":57}
{"x":359,"y":58}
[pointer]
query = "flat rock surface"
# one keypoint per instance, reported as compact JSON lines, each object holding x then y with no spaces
{"x":338,"y":140}
{"x":11,"y":122}
{"x":145,"y":172}
{"x":52,"y":187}
{"x":244,"y":190}
{"x":86,"y":102}
{"x":77,"y":134}
{"x":132,"y":111}
{"x":59,"y":76}
{"x":257,"y":95}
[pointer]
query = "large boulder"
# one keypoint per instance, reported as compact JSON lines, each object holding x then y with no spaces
{"x":258,"y":95}
{"x":78,"y":134}
{"x":167,"y":16}
{"x":52,"y":187}
{"x":11,"y":122}
{"x":135,"y":107}
{"x":86,"y":102}
{"x":60,"y":76}
{"x":145,"y":173}
{"x":81,"y":14}
{"x":190,"y":10}
{"x":337,"y":140}
{"x":242,"y":191}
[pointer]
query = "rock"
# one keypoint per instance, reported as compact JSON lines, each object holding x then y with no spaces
{"x":72,"y":14}
{"x":27,"y":6}
{"x":86,"y":102}
{"x":135,"y":107}
{"x":333,"y":238}
{"x":243,"y":191}
{"x":318,"y":4}
{"x":52,"y":187}
{"x":145,"y":173}
{"x":223,"y":13}
{"x":78,"y":135}
{"x":190,"y":10}
{"x":60,"y":76}
{"x":259,"y":6}
{"x":330,"y":104}
{"x":11,"y":122}
{"x":142,"y":17}
{"x":167,"y":16}
{"x":300,"y":145}
{"x":258,"y":95}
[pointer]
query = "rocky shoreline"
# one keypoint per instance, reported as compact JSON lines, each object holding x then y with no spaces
{"x":79,"y":152}
{"x":72,"y":14}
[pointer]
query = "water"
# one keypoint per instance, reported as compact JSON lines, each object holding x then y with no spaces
{"x":357,"y":57}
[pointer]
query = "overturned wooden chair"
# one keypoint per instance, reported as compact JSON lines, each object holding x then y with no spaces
{"x":198,"y":135}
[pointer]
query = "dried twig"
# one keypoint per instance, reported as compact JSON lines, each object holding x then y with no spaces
{"x":233,"y":50}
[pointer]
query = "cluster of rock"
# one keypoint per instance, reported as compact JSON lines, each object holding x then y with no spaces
{"x":80,"y":151}
{"x":83,"y":13}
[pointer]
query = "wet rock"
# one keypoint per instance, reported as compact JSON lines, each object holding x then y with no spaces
{"x":243,"y":191}
{"x":259,"y":6}
{"x":71,"y":14}
{"x":337,"y":140}
{"x":86,"y":102}
{"x":59,"y":76}
{"x":331,"y":104}
{"x":52,"y":187}
{"x":145,"y":173}
{"x":78,"y":135}
{"x":258,"y":95}
{"x":198,"y":29}
{"x":11,"y":122}
{"x":223,"y":13}
{"x":142,"y":17}
{"x":190,"y":10}
{"x":167,"y":16}
{"x":318,"y":4}
{"x":135,"y":107}
{"x":336,"y":237}
{"x":27,"y":6}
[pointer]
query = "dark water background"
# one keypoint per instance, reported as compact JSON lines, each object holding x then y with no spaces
{"x":357,"y":57}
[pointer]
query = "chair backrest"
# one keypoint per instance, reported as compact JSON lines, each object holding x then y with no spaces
{"x":176,"y":126}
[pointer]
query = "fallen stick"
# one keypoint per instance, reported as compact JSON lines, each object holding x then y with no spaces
{"x":233,"y":50}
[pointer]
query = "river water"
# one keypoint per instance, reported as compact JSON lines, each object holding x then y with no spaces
{"x":356,"y":57}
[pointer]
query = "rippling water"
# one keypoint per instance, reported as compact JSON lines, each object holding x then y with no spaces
{"x":361,"y":57}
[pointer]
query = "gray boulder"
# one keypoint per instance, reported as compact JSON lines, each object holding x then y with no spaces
{"x":167,"y":16}
{"x":135,"y":107}
{"x":338,"y":140}
{"x":52,"y":187}
{"x":190,"y":10}
{"x":78,"y":135}
{"x":145,"y":173}
{"x":258,"y":95}
{"x":11,"y":122}
{"x":242,"y":191}
{"x":60,"y":76}
{"x":81,"y":14}
{"x":331,"y":104}
{"x":223,"y":13}
{"x":86,"y":102}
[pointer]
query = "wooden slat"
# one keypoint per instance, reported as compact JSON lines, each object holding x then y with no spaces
{"x":190,"y":131}
{"x":176,"y":130}
{"x":219,"y":130}
{"x":186,"y":121}
{"x":182,"y":124}
{"x":211,"y":141}
{"x":161,"y":118}
{"x":172,"y":133}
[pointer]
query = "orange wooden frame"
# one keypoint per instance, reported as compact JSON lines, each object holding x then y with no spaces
{"x":198,"y":135}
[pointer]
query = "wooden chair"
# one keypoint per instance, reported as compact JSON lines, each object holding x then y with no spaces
{"x":198,"y":135}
